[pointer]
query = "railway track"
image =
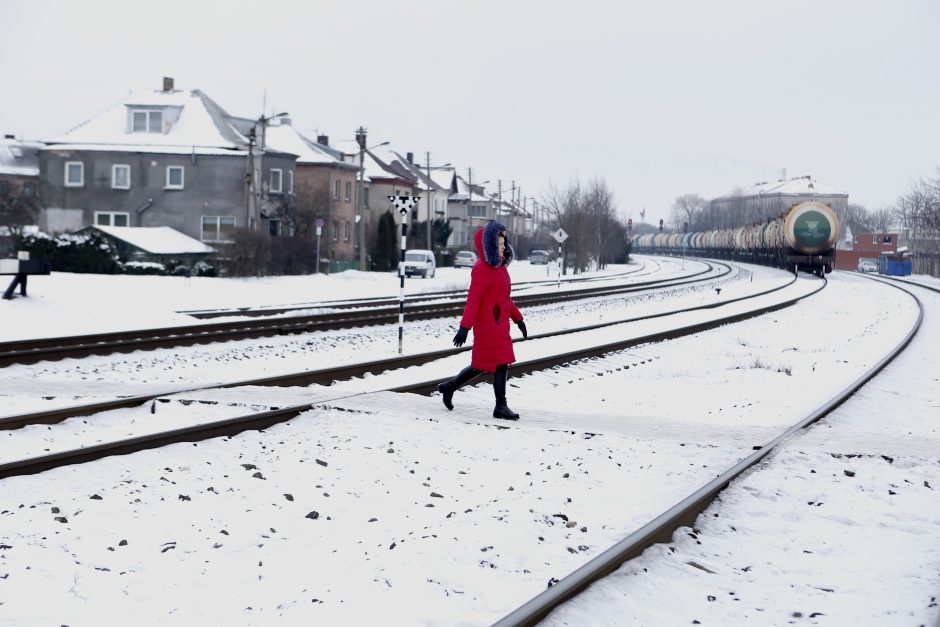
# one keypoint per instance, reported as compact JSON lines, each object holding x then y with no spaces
{"x":661,"y":528}
{"x":232,"y":426}
{"x":352,"y":314}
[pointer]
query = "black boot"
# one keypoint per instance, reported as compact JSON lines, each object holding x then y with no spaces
{"x":499,"y":387}
{"x":447,"y":388}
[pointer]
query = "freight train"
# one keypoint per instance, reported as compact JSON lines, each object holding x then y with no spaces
{"x":803,"y":238}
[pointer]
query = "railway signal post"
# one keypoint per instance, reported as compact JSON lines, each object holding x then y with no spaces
{"x":560,"y":236}
{"x":404,"y":204}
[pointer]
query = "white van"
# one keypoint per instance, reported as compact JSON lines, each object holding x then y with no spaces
{"x":420,"y":263}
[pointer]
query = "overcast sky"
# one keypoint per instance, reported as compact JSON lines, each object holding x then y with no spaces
{"x":657,"y":98}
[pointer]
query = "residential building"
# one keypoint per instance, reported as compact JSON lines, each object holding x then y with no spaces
{"x":325,"y":184}
{"x":765,"y":200}
{"x":380,"y":179}
{"x":162,"y":158}
{"x":432,"y":184}
{"x":469,"y":208}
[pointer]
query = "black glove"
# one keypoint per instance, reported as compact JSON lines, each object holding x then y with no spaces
{"x":525,"y":332}
{"x":461,"y":336}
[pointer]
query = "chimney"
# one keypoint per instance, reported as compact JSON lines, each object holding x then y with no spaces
{"x":323,"y":139}
{"x":167,"y":84}
{"x":410,"y":156}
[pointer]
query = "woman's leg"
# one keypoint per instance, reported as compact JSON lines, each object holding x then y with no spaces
{"x":447,"y":388}
{"x":499,"y":388}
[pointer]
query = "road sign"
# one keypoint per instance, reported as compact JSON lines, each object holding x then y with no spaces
{"x":404,"y":204}
{"x":319,"y":230}
{"x":560,"y":235}
{"x":319,"y":222}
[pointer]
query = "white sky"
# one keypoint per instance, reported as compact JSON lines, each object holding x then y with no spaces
{"x":658,"y":99}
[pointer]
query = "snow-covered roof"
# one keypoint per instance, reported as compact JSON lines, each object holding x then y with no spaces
{"x":375,"y":167}
{"x":192,"y":123}
{"x":285,"y":138}
{"x":157,"y":240}
{"x":799,"y":186}
{"x":462,"y":189}
{"x":19,"y":158}
{"x":439,"y":180}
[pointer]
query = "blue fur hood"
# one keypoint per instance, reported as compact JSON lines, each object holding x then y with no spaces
{"x":487,"y":244}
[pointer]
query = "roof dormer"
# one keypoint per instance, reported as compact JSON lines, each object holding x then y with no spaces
{"x":143,"y":118}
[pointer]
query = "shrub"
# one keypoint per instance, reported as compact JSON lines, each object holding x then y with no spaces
{"x":72,"y":252}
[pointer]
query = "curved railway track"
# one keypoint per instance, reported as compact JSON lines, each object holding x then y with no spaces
{"x":262,"y":420}
{"x":352,"y":314}
{"x":684,"y":513}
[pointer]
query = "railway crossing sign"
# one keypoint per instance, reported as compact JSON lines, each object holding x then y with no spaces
{"x":560,"y":235}
{"x":404,"y":204}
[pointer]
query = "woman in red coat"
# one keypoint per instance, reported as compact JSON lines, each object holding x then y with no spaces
{"x":488,"y":311}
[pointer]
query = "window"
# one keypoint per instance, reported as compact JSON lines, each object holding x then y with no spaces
{"x":276,"y":176}
{"x":147,"y":121}
{"x":112,"y":218}
{"x":477,"y":211}
{"x":274,"y":227}
{"x":348,"y":190}
{"x":336,"y":191}
{"x":290,"y":181}
{"x":74,"y":174}
{"x":120,"y":176}
{"x":174,"y":177}
{"x":347,"y":227}
{"x":217,"y":228}
{"x":335,"y":230}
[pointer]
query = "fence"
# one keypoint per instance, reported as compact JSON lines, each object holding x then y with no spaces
{"x":926,"y":263}
{"x":340,"y":266}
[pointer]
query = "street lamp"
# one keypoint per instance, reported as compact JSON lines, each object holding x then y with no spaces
{"x":360,"y":231}
{"x":431,"y":194}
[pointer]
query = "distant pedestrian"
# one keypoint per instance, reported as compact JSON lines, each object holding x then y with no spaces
{"x":488,"y":311}
{"x":188,"y":273}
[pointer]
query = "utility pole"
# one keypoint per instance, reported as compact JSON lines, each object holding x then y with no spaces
{"x":430,"y":202}
{"x":360,"y":219}
{"x":249,"y":177}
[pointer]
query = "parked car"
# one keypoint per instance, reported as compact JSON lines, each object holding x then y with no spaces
{"x":539,"y":256}
{"x":420,"y":263}
{"x":867,"y":265}
{"x":465,"y":259}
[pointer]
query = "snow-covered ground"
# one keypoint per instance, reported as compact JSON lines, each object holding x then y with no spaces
{"x":388,"y":508}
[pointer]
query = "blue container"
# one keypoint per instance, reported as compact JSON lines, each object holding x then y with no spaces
{"x":894,"y":268}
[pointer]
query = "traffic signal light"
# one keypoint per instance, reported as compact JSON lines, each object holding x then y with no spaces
{"x":630,"y":224}
{"x":660,"y":225}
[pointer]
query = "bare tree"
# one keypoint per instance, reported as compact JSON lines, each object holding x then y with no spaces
{"x":688,"y":211}
{"x":883,"y":219}
{"x":19,"y":204}
{"x":299,"y":212}
{"x":587,"y":214}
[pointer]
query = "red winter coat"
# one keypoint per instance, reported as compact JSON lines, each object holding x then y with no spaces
{"x":489,"y":306}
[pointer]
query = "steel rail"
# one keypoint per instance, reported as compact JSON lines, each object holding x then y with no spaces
{"x":359,"y":302}
{"x":326,"y":376}
{"x":684,"y":513}
{"x":234,"y":426}
{"x":31,"y":351}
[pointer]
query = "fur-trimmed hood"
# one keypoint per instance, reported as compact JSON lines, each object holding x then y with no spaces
{"x":487,"y":244}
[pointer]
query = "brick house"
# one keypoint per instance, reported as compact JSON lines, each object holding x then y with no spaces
{"x":322,"y":169}
{"x":851,"y":248}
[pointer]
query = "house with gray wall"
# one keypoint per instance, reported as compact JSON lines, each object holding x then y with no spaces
{"x":161,"y":158}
